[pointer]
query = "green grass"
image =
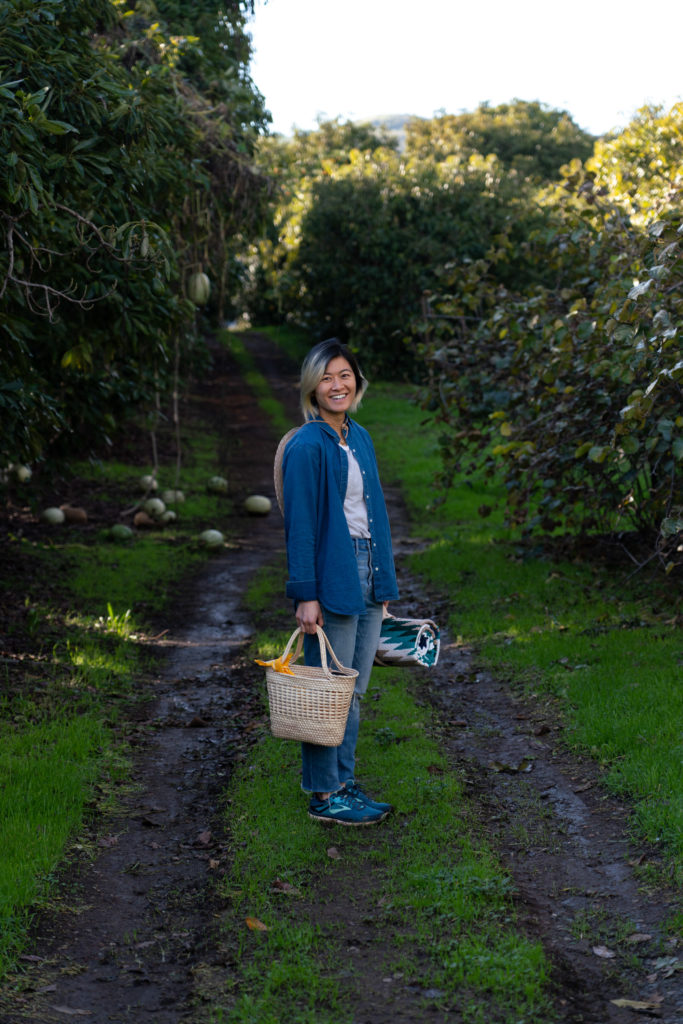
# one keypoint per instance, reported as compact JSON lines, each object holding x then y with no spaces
{"x":255,"y":381}
{"x":604,"y":642}
{"x":441,"y":906}
{"x":47,"y":772}
{"x":294,"y":341}
{"x":76,"y":660}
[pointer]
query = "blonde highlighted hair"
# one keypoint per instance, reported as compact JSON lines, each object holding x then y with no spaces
{"x":313,"y":370}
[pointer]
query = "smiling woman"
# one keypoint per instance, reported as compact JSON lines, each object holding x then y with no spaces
{"x":336,"y":392}
{"x":341,"y":566}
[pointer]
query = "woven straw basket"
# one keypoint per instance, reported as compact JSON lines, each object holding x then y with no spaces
{"x":313,"y":704}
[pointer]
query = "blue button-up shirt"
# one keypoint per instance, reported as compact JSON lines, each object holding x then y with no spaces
{"x":320,"y":554}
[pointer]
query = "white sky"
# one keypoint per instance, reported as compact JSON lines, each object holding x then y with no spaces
{"x":359,"y":59}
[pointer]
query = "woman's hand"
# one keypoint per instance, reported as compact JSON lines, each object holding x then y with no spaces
{"x":309,"y":615}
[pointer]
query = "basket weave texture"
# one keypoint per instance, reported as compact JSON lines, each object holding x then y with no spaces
{"x":313,"y":704}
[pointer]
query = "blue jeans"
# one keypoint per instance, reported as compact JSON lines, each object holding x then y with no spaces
{"x":354,"y":640}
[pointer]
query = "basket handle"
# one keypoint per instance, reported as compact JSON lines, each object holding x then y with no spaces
{"x":298,"y":634}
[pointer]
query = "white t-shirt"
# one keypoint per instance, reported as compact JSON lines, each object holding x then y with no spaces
{"x":355,"y":509}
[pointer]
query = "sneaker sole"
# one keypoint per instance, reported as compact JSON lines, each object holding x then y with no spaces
{"x":340,"y":821}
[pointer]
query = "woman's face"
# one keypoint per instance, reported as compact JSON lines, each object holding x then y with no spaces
{"x":337,"y":389}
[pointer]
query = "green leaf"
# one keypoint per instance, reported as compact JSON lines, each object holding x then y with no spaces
{"x":56,"y":127}
{"x":640,"y":289}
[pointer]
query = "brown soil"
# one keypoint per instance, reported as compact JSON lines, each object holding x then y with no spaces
{"x":141,"y":938}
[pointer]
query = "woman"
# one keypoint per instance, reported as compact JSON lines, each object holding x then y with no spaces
{"x":340,"y":562}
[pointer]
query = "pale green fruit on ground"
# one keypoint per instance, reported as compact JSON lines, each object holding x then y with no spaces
{"x":148,"y":483}
{"x":120,"y":532}
{"x":211,"y":539}
{"x":217,"y":485}
{"x":167,"y":517}
{"x":173,"y":497}
{"x":257,"y":505}
{"x":53,"y":516}
{"x":154,"y":507}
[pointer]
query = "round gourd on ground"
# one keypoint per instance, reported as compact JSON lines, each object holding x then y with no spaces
{"x":154,"y":507}
{"x":148,"y":483}
{"x":141,"y":519}
{"x":167,"y":517}
{"x":120,"y":532}
{"x":22,"y":473}
{"x":173,"y":497}
{"x":217,"y":485}
{"x":211,"y":539}
{"x":257,"y":505}
{"x":53,"y":516}
{"x":75,"y":516}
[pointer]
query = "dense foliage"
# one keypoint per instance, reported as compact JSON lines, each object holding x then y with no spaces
{"x":125,"y":147}
{"x":529,"y":138}
{"x":359,"y":230}
{"x":535,"y":274}
{"x":582,"y":381}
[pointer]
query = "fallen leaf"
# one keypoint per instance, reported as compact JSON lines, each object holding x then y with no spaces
{"x":638,"y":937}
{"x":71,"y":1011}
{"x":333,"y":853}
{"x":213,"y":864}
{"x":583,"y":788}
{"x":635,"y":1004}
{"x":524,"y":765}
{"x":197,"y":723}
{"x":107,"y":841}
{"x":256,"y":925}
{"x":203,"y":839}
{"x":668,"y":964}
{"x":285,"y":887}
{"x":604,"y":952}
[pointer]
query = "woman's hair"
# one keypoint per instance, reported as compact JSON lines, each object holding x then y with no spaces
{"x":313,"y":370}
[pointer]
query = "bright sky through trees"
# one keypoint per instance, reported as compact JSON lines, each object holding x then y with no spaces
{"x":358,"y":59}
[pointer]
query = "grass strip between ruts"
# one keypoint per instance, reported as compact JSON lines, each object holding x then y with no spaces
{"x":438,"y":889}
{"x":440,"y":905}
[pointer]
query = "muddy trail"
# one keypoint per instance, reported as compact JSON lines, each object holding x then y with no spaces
{"x":141,"y":938}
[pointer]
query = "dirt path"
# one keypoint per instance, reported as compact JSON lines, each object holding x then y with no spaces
{"x":143,"y":944}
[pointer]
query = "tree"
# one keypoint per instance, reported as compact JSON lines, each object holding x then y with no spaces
{"x":529,"y":138}
{"x":116,"y":175}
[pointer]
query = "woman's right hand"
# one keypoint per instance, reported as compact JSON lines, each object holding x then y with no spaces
{"x":309,"y":615}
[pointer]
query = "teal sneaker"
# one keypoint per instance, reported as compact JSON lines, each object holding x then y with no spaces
{"x":354,"y":790}
{"x":344,"y":809}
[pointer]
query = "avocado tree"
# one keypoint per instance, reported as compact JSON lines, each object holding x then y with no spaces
{"x":573,"y":387}
{"x":109,"y":163}
{"x":529,"y":138}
